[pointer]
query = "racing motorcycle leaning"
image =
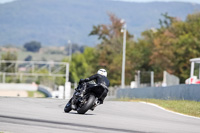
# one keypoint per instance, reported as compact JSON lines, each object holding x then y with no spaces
{"x":86,"y":97}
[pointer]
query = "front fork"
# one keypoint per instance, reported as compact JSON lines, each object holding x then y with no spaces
{"x":78,"y":99}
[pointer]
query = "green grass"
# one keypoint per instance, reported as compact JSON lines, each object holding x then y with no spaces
{"x":181,"y":106}
{"x":40,"y":56}
{"x":35,"y":94}
{"x":21,"y":55}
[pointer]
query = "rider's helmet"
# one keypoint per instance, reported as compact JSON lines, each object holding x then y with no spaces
{"x":102,"y":72}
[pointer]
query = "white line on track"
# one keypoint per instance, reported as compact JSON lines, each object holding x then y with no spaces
{"x":170,"y":110}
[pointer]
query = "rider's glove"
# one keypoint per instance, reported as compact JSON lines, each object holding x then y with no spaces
{"x":81,"y":81}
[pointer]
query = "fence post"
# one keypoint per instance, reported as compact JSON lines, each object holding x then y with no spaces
{"x":152,"y":78}
{"x":138,"y":79}
{"x":4,"y":77}
{"x":199,"y":71}
{"x":21,"y":77}
{"x":192,"y":70}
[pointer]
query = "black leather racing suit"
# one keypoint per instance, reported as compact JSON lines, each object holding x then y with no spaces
{"x":101,"y":80}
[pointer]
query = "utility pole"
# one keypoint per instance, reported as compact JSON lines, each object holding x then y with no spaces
{"x":70,"y":50}
{"x":67,"y":88}
{"x":124,"y":54}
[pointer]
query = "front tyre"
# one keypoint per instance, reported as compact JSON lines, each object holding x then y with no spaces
{"x":68,"y":108}
{"x":89,"y":101}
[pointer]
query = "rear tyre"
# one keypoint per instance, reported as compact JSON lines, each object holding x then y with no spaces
{"x":68,"y":108}
{"x":89,"y":101}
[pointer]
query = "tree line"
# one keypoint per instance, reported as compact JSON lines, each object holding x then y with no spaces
{"x":168,"y":47}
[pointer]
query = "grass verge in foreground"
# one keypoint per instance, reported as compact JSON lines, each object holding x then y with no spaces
{"x":181,"y":106}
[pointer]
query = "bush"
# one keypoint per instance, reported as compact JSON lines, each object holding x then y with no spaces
{"x":32,"y":46}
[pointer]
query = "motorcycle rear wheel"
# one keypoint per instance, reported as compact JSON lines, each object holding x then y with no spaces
{"x":88,"y":104}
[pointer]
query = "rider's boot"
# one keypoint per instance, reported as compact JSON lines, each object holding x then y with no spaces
{"x":73,"y":105}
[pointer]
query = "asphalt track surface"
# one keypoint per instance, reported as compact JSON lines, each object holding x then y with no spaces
{"x":33,"y":115}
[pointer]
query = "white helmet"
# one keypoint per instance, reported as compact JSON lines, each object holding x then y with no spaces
{"x":102,"y":72}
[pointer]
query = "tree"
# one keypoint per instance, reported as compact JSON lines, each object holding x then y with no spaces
{"x":166,"y":48}
{"x":8,"y":67}
{"x":111,"y":31}
{"x":168,"y":20}
{"x":91,"y":58}
{"x":75,"y":48}
{"x":32,"y":46}
{"x":28,"y":58}
{"x":109,"y":53}
{"x":78,"y":67}
{"x":174,"y":44}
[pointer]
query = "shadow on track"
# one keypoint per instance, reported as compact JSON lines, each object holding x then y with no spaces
{"x":43,"y":123}
{"x":78,"y":113}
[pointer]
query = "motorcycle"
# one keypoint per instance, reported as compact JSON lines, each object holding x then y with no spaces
{"x":85,"y":97}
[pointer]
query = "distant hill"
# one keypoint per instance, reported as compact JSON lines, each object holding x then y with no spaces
{"x":54,"y":22}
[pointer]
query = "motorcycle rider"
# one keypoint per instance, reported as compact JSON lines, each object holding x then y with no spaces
{"x":100,"y":79}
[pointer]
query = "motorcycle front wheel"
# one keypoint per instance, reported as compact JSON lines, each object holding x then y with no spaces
{"x":68,"y":108}
{"x":88,"y":102}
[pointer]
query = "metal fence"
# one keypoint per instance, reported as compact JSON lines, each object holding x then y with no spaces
{"x":177,"y":92}
{"x":45,"y":72}
{"x":169,"y":79}
{"x":147,"y":79}
{"x":143,"y":79}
